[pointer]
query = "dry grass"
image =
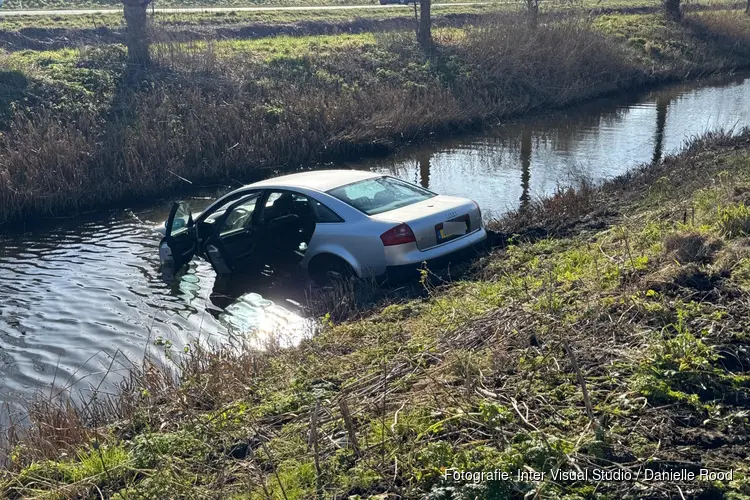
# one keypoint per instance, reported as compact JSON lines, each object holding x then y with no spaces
{"x":566,"y":209}
{"x":517,"y":68}
{"x":691,"y":247}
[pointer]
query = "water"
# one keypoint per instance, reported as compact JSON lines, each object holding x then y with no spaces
{"x":81,"y":298}
{"x":529,"y":158}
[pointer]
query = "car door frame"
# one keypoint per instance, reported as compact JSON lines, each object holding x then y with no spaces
{"x":181,"y":254}
{"x":227,"y":265}
{"x":268,"y":191}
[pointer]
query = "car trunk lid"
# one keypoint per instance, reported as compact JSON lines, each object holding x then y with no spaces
{"x":437,"y":220}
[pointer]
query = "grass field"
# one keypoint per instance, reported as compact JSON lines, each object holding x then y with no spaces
{"x":616,"y":342}
{"x":41,"y":32}
{"x":84,"y":4}
{"x":210,"y":19}
{"x":90,"y":4}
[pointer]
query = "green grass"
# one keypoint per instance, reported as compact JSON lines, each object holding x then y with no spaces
{"x":215,"y":19}
{"x":83,"y":4}
{"x":239,"y":18}
{"x":93,"y":4}
{"x":476,"y":374}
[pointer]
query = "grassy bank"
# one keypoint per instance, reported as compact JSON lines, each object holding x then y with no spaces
{"x":78,"y":134}
{"x":616,"y":340}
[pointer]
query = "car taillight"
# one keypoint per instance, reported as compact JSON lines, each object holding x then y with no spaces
{"x":479,"y":211}
{"x":398,"y":235}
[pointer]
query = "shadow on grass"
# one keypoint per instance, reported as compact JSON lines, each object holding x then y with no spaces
{"x":13,"y":87}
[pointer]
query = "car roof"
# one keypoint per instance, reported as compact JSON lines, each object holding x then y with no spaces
{"x":319,"y":180}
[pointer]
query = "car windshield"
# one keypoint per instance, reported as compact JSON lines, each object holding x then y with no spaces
{"x":380,"y":194}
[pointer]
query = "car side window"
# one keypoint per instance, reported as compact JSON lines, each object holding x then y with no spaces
{"x":271,"y":199}
{"x":324,"y":214}
{"x":283,"y":203}
{"x":217,"y":212}
{"x":240,"y":217}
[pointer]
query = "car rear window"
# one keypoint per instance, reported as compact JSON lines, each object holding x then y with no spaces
{"x":380,"y":194}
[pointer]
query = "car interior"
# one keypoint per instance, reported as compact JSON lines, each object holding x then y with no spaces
{"x":288,"y":221}
{"x":249,"y":235}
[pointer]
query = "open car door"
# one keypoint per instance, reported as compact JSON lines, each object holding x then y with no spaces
{"x":179,"y":244}
{"x":234,"y":242}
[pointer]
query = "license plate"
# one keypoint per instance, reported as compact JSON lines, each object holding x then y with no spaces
{"x":451,"y":229}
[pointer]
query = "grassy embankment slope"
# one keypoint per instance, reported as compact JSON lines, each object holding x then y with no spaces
{"x":643,"y":285}
{"x":78,"y":135}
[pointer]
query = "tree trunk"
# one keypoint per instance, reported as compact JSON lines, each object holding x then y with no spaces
{"x":532,"y":11}
{"x":672,"y":10}
{"x":137,"y":38}
{"x":425,"y":23}
{"x":747,"y":9}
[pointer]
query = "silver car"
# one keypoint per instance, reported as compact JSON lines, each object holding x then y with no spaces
{"x":333,"y":222}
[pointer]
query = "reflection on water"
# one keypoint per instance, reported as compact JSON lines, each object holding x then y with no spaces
{"x":522,"y":160}
{"x":662,"y":105}
{"x":75,"y":295}
{"x":526,"y":149}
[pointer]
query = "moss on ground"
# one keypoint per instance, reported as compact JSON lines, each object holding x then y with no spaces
{"x":478,"y":374}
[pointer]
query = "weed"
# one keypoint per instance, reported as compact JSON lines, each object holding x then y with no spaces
{"x":734,"y":221}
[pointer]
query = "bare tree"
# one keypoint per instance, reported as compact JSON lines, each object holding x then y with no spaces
{"x":136,"y":19}
{"x":672,"y":9}
{"x":424,"y":33}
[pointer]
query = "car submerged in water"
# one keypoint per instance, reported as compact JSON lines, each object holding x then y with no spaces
{"x":333,"y":223}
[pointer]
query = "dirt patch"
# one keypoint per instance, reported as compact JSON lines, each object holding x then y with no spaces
{"x":691,"y":247}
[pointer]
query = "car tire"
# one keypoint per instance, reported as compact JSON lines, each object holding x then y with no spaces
{"x":327,"y":269}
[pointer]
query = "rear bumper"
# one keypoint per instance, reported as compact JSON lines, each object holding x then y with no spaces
{"x":438,"y":258}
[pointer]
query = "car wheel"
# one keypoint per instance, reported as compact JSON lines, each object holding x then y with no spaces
{"x":329,"y":269}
